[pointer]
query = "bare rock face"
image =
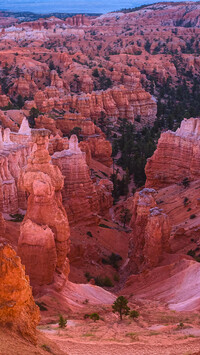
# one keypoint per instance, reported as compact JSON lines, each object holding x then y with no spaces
{"x":82,"y":199}
{"x":45,"y":216}
{"x":79,"y":194}
{"x":101,"y":150}
{"x":12,"y":159}
{"x":4,"y":100}
{"x":151,"y":232}
{"x":115,"y":102}
{"x":17,"y":306}
{"x":177,"y":156}
{"x":2,"y":226}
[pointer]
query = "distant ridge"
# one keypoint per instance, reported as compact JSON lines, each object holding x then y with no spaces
{"x":31,"y":16}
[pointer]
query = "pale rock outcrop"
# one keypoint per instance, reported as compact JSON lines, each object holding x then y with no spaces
{"x":24,"y":128}
{"x":17,"y":306}
{"x":6,"y":136}
{"x":151,"y":232}
{"x":177,"y":156}
{"x":45,"y":214}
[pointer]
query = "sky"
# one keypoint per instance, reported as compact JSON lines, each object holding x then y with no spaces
{"x":78,"y":6}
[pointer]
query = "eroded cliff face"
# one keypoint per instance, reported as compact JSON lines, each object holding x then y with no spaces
{"x":17,"y":307}
{"x":13,"y":157}
{"x":177,"y":156}
{"x":82,"y":199}
{"x":151,"y":232}
{"x":116,"y":102}
{"x":44,"y":235}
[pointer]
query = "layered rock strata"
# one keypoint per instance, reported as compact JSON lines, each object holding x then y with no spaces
{"x":44,"y":234}
{"x":82,"y":199}
{"x":177,"y":156}
{"x":13,"y":158}
{"x":151,"y":232}
{"x":116,"y":102}
{"x":17,"y":306}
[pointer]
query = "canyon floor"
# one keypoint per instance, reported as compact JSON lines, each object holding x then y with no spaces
{"x":156,"y":331}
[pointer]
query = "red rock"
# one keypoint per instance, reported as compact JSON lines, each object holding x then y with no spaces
{"x":101,"y":150}
{"x":43,"y":182}
{"x":151,"y":232}
{"x":177,"y":156}
{"x":17,"y":304}
{"x":4,"y":100}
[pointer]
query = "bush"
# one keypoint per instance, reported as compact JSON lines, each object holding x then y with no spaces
{"x":94,"y":316}
{"x":47,"y":348}
{"x":107,"y":282}
{"x":62,"y":322}
{"x":193,"y":216}
{"x":42,"y":306}
{"x":116,"y":277}
{"x":186,"y":182}
{"x":191,"y":253}
{"x":186,"y":201}
{"x":134,"y":314}
{"x":86,"y":316}
{"x":89,"y":234}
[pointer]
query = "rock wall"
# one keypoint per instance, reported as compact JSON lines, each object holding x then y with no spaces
{"x":151,"y":232}
{"x":177,"y":156}
{"x":82,"y":199}
{"x":44,"y":234}
{"x":12,"y":159}
{"x":116,"y":102}
{"x":17,"y":307}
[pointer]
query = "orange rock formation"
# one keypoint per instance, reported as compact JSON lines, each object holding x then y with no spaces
{"x":177,"y":156}
{"x":17,"y":306}
{"x":44,"y":237}
{"x":151,"y":232}
{"x":82,"y":199}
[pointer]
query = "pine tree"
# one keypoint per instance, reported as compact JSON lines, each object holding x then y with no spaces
{"x":121,"y":306}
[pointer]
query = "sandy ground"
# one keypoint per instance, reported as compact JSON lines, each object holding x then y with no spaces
{"x":157,"y":331}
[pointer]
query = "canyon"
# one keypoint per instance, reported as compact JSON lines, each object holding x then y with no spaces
{"x":99,"y":182}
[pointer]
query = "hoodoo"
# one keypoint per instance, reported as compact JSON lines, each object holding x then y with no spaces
{"x":44,"y":235}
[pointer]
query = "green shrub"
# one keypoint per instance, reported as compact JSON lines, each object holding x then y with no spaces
{"x":186,"y":182}
{"x":102,"y":225}
{"x":107,"y":282}
{"x":42,"y":306}
{"x":134,"y":314}
{"x":193,"y":216}
{"x":89,"y":234}
{"x":46,"y":348}
{"x":86,"y":316}
{"x":191,"y":253}
{"x":62,"y":322}
{"x":94,"y":316}
{"x":17,"y":217}
{"x":116,"y":277}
